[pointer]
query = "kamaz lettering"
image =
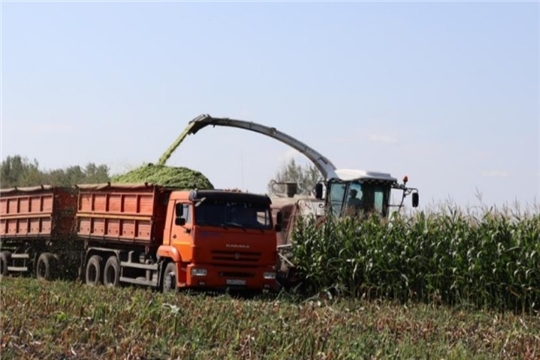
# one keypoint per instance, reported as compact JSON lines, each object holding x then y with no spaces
{"x":237,"y":246}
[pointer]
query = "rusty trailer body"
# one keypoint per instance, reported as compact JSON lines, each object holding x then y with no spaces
{"x":123,"y":214}
{"x":42,"y":212}
{"x":36,"y":227}
{"x":122,"y":227}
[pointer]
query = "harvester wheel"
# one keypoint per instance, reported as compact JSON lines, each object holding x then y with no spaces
{"x":93,"y":270}
{"x":46,"y":266}
{"x":5,"y":256}
{"x":169,"y":277}
{"x":111,"y":272}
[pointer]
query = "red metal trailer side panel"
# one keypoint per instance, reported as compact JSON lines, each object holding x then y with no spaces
{"x":122,"y":213}
{"x":37,"y":212}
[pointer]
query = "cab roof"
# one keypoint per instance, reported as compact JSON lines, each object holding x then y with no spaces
{"x":363,"y":175}
{"x":222,"y":195}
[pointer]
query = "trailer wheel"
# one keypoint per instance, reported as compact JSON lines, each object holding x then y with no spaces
{"x":111,"y":272}
{"x":46,"y":266}
{"x":93,"y":270}
{"x":5,"y":256}
{"x":169,"y":277}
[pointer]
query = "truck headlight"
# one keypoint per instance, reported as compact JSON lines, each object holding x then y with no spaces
{"x":269,"y":275}
{"x":198,"y":272}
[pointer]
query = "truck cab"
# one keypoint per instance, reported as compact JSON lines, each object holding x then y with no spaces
{"x":219,"y":239}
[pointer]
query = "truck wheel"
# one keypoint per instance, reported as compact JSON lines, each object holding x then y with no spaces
{"x":111,"y":272}
{"x":93,"y":270}
{"x":169,"y":277}
{"x":5,"y":256}
{"x":45,"y":267}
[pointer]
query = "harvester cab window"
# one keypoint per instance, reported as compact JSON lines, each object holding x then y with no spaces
{"x":337,"y":193}
{"x":379,"y":201}
{"x":354,"y":199}
{"x":375,"y":198}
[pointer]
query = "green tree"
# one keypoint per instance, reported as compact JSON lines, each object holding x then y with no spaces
{"x":305,"y":176}
{"x":20,"y":171}
{"x":91,"y":174}
{"x":96,"y":174}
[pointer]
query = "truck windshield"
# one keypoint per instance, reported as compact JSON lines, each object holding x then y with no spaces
{"x":354,"y":198}
{"x":233,"y":214}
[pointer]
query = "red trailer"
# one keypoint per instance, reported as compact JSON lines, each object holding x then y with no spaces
{"x":122,"y":227}
{"x":36,"y":229}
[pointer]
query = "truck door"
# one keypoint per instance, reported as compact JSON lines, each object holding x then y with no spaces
{"x":182,"y":226}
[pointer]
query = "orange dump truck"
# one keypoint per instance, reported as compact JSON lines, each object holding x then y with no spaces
{"x":155,"y":236}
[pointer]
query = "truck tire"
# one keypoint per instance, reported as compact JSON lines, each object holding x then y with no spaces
{"x":111,"y":272}
{"x":93,"y":270}
{"x":46,"y":266}
{"x":169,"y":277}
{"x":5,"y":257}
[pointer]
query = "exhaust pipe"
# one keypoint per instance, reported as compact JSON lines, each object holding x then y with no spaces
{"x":291,"y":189}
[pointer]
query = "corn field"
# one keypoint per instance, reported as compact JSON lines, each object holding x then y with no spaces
{"x":66,"y":320}
{"x":486,"y":259}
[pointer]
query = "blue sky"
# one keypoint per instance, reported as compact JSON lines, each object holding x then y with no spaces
{"x":446,"y":93}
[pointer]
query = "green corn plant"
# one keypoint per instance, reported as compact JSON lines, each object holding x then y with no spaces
{"x":450,"y":256}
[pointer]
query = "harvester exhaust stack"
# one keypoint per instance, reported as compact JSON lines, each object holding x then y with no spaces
{"x":291,"y":189}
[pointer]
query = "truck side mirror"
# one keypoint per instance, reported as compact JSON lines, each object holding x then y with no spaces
{"x":279,"y":221}
{"x":318,"y":191}
{"x":180,"y":221}
{"x":415,"y":199}
{"x":279,"y":218}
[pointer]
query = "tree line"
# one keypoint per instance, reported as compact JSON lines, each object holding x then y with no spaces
{"x":19,"y":171}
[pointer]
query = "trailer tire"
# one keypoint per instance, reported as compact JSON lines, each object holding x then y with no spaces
{"x":5,"y":256}
{"x":93,"y":270}
{"x":46,"y":266}
{"x":169,"y":278}
{"x":111,"y":272}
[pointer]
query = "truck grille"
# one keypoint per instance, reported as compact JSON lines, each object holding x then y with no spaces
{"x":241,"y":257}
{"x":232,"y":274}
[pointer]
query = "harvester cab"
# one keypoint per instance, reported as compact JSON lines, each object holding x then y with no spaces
{"x":357,"y":191}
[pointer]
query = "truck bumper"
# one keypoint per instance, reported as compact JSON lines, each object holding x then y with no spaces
{"x":224,"y":277}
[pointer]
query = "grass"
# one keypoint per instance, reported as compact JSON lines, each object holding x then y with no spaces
{"x":66,"y":320}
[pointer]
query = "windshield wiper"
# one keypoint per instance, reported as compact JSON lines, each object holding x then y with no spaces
{"x":224,"y":226}
{"x":200,"y":202}
{"x":207,"y":223}
{"x":234,"y":224}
